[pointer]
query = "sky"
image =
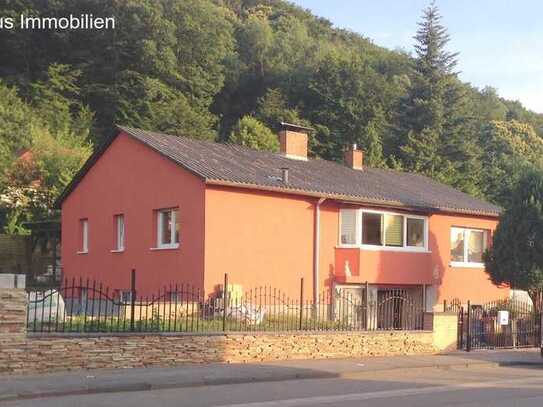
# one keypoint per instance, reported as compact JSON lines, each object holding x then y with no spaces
{"x":500,"y":41}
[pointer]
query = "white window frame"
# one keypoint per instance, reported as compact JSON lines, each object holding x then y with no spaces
{"x":84,"y":223}
{"x":172,"y":244}
{"x":120,"y":233}
{"x":467,"y":231}
{"x":383,"y":247}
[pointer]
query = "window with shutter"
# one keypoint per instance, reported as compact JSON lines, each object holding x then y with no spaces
{"x":348,"y":226}
{"x":394,"y":230}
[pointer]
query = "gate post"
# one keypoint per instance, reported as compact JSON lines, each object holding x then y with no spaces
{"x":460,"y":340}
{"x":468,"y":327}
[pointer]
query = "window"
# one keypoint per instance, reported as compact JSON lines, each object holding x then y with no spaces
{"x":372,"y":230}
{"x":394,"y":230}
{"x":476,"y":246}
{"x":168,"y":228}
{"x":467,"y":246}
{"x":84,"y":230}
{"x":348,"y":226}
{"x":119,"y":232}
{"x":415,"y":232}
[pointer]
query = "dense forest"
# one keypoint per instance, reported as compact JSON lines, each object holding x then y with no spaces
{"x":231,"y":70}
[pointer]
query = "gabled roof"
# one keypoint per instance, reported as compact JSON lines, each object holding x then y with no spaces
{"x":233,"y":165}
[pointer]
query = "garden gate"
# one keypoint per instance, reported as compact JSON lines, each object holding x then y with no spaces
{"x":500,"y":324}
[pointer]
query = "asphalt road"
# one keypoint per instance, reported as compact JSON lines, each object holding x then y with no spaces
{"x":459,"y":387}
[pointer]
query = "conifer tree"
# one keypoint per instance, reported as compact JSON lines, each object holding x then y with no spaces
{"x":434,"y":125}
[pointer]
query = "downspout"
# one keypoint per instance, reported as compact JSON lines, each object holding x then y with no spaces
{"x":316,"y":249}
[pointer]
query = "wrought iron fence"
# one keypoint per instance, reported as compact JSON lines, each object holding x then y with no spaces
{"x":504,"y":323}
{"x":79,"y":305}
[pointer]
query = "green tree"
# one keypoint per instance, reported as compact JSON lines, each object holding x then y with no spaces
{"x":150,"y":104}
{"x":508,"y":149}
{"x":516,"y":255}
{"x":347,"y":98}
{"x":36,"y":179}
{"x":489,"y":104}
{"x":249,"y":132}
{"x":53,"y":130}
{"x":195,"y":67}
{"x":15,"y":126}
{"x":435,"y":130}
{"x":56,"y":102}
{"x":272,"y":109}
{"x":256,"y":40}
{"x":372,"y":139}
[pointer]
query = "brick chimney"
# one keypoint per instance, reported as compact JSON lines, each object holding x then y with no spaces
{"x":293,"y":141}
{"x":354,"y":158}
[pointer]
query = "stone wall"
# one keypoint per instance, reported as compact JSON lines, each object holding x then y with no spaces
{"x":53,"y":353}
{"x":12,"y":314}
{"x":22,"y":354}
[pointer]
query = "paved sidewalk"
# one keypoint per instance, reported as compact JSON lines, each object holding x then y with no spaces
{"x":102,"y":380}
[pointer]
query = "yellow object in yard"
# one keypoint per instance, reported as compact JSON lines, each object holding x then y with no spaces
{"x":235,"y":292}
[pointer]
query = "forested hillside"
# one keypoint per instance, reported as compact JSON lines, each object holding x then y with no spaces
{"x":230,"y":71}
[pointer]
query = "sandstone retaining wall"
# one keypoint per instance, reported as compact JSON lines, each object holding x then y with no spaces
{"x":21,"y":353}
{"x":54,"y":353}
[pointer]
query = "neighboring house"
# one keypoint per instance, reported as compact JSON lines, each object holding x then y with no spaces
{"x":187,"y":211}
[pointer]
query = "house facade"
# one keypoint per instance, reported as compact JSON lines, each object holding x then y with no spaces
{"x":186,"y":211}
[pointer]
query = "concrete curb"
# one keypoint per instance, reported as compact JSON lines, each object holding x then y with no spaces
{"x":147,"y":386}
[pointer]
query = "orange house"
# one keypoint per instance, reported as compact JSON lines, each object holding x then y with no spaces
{"x":189,"y":211}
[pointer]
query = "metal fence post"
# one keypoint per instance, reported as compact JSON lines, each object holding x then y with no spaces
{"x":132,"y":298}
{"x":541,"y":327}
{"x":301,"y":303}
{"x":225,"y":302}
{"x":460,"y":336}
{"x":367,"y":300}
{"x":468,"y":327}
